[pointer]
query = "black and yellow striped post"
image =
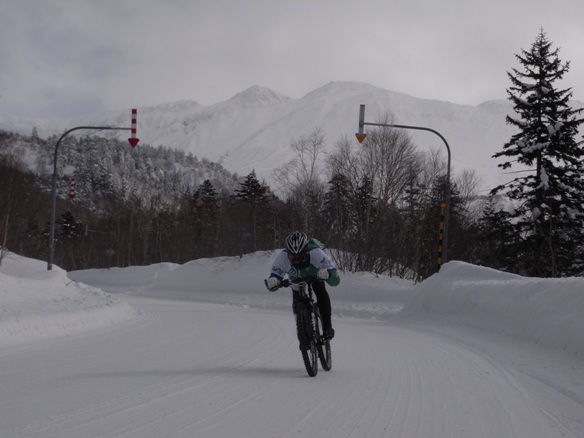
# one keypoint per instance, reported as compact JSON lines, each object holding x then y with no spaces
{"x":441,"y":233}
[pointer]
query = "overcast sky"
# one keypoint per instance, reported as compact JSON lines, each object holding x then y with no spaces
{"x":68,"y":58}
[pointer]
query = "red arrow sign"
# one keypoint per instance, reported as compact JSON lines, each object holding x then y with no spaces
{"x":133,"y":141}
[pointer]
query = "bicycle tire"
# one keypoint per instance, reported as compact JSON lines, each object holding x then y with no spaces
{"x":323,"y":346}
{"x":306,"y":338}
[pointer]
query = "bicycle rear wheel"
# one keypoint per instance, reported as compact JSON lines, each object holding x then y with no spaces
{"x":307,"y":340}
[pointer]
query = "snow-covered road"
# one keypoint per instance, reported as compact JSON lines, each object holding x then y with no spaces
{"x":190,"y":369}
{"x":203,"y":350}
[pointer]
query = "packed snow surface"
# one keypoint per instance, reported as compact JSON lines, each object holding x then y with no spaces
{"x":204,"y":350}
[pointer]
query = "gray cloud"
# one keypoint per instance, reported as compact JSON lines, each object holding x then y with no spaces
{"x":65,"y":58}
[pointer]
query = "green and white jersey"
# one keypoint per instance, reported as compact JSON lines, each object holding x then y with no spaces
{"x":316,"y":259}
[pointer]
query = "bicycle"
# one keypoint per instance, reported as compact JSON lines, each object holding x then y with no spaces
{"x":313,"y":345}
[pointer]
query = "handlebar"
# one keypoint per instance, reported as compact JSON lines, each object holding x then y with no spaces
{"x":310,"y":279}
{"x":287,"y":282}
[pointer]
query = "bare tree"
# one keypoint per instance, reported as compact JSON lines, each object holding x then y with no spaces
{"x":468,"y":184}
{"x":389,"y":157}
{"x":301,"y":178}
{"x":378,"y":173}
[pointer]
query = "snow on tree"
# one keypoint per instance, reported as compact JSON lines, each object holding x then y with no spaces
{"x":548,"y":197}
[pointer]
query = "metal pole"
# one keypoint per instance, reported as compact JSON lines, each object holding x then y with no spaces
{"x":361,"y":134}
{"x":54,"y":187}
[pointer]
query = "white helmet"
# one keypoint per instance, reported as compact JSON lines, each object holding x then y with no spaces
{"x":296,"y":242}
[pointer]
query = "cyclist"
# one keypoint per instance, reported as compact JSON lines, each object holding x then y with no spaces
{"x":304,"y":257}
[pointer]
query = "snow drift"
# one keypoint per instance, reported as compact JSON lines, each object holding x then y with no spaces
{"x":40,"y":304}
{"x":545,"y":311}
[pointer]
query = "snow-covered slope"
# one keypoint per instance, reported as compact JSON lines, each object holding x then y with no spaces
{"x":253,"y":129}
{"x":38,"y":304}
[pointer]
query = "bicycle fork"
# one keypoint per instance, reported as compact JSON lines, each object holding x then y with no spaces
{"x":304,"y":324}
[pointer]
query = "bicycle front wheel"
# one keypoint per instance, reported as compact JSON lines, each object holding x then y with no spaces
{"x":306,"y":338}
{"x":323,"y":345}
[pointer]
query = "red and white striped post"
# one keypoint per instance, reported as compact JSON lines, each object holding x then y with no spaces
{"x":133,"y":139}
{"x":72,"y":188}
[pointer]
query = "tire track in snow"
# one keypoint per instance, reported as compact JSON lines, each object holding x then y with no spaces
{"x":188,"y":369}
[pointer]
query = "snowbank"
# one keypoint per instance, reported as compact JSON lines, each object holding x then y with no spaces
{"x":239,"y":281}
{"x":544,"y":311}
{"x":548,"y":312}
{"x":37,"y":304}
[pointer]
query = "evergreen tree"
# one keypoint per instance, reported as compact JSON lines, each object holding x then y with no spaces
{"x":69,"y":226}
{"x":366,"y":203}
{"x":548,"y":201}
{"x":206,"y":213}
{"x":69,"y":232}
{"x":366,"y":234}
{"x":337,"y":214}
{"x":429,"y":241}
{"x":499,"y":241}
{"x":251,"y":190}
{"x":253,"y":196}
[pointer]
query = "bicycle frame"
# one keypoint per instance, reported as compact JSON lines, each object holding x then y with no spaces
{"x":303,"y":292}
{"x":309,"y":325}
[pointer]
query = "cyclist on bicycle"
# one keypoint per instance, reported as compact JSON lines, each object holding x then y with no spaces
{"x":305,"y":257}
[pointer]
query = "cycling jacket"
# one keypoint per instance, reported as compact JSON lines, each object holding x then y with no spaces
{"x":316,"y":259}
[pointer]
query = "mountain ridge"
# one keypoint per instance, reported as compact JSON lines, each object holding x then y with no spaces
{"x":253,"y":129}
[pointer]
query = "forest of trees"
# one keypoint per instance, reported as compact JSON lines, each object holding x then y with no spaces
{"x":377,"y":207}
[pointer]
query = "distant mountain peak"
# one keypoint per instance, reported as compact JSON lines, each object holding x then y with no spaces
{"x":258,"y":96}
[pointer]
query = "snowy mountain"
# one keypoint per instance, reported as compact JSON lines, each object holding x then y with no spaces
{"x":253,"y":129}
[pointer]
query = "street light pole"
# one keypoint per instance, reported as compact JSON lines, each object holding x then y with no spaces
{"x":361,"y":137}
{"x":54,"y":185}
